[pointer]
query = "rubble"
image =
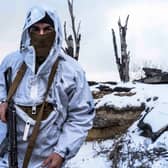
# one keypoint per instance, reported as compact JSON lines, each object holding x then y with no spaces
{"x":154,"y":76}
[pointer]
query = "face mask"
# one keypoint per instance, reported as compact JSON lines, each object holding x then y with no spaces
{"x":42,"y":43}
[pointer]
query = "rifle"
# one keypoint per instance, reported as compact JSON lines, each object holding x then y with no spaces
{"x":11,"y":137}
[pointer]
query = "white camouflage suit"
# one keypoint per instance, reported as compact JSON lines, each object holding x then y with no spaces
{"x":66,"y":128}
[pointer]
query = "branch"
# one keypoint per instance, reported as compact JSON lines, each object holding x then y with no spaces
{"x":78,"y":29}
{"x":65,"y":32}
{"x":119,"y":22}
{"x":69,"y":41}
{"x":73,"y":41}
{"x":126,"y":22}
{"x":70,"y":7}
{"x":78,"y":47}
{"x":70,"y":44}
{"x":115,"y":49}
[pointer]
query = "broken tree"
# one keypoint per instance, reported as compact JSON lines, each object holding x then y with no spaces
{"x":72,"y":41}
{"x":123,"y":61}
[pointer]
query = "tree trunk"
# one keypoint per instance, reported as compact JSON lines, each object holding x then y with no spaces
{"x":123,"y":62}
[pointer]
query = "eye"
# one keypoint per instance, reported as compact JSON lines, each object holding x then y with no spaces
{"x":48,"y":29}
{"x":34,"y":29}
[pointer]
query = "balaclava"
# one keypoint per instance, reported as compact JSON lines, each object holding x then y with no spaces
{"x":42,"y":43}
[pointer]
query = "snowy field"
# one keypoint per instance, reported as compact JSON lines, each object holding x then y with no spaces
{"x":96,"y":154}
{"x":92,"y":155}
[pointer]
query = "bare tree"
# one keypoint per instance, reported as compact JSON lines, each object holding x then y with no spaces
{"x":123,"y":61}
{"x":72,"y":40}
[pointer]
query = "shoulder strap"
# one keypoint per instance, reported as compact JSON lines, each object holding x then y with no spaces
{"x":35,"y":131}
{"x":16,"y":81}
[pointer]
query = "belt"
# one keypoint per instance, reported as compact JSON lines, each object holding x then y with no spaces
{"x":32,"y":111}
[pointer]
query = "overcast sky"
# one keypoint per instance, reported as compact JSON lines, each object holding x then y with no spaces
{"x":147,"y":34}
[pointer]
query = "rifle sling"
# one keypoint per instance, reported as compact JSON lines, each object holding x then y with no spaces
{"x":35,"y":131}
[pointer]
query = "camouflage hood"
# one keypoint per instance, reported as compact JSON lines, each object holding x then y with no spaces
{"x":34,"y":15}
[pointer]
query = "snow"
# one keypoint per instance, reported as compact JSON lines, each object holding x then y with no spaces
{"x":96,"y":153}
{"x":156,"y":99}
{"x":91,"y":154}
{"x":161,"y":111}
{"x":142,"y":93}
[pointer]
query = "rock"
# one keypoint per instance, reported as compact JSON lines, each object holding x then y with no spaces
{"x":106,"y":133}
{"x":147,"y":129}
{"x":125,"y":94}
{"x":110,"y":83}
{"x":91,"y":83}
{"x":122,"y":89}
{"x":112,"y":121}
{"x":149,"y":72}
{"x":114,"y":116}
{"x":154,"y":76}
{"x":103,"y":90}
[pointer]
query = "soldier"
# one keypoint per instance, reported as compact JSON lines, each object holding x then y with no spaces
{"x":69,"y":109}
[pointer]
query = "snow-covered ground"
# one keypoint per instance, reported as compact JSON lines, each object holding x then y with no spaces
{"x":92,"y":155}
{"x":134,"y":145}
{"x":137,"y":150}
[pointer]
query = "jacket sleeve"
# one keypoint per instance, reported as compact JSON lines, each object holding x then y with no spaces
{"x":3,"y":67}
{"x":79,"y":120}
